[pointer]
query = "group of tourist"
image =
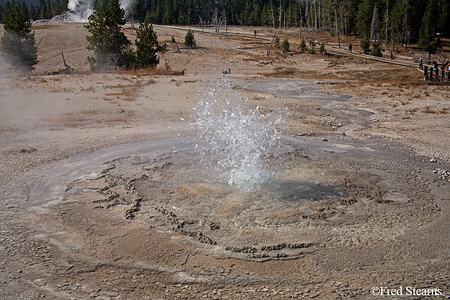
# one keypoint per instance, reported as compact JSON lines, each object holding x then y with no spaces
{"x":444,"y":66}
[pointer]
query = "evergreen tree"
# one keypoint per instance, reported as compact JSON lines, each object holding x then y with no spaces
{"x":18,"y":43}
{"x":303,"y":46}
{"x":285,"y":45}
{"x":34,"y":13}
{"x":64,"y":5}
{"x":189,"y":40}
{"x":446,"y":19}
{"x":49,"y":10}
{"x":108,"y":41}
{"x":376,"y":49}
{"x":365,"y":44}
{"x":265,"y":16}
{"x":168,"y":16}
{"x":56,"y":7}
{"x":44,"y":12}
{"x":147,"y":46}
{"x":427,"y":36}
{"x":276,"y":42}
{"x":363,"y":18}
{"x":24,"y":7}
{"x":397,"y":19}
{"x":140,"y":10}
{"x":322,"y":48}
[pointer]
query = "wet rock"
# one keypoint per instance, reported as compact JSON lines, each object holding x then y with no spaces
{"x":258,"y":255}
{"x":214,"y":226}
{"x":285,"y":245}
{"x":29,"y":150}
{"x":245,"y":249}
{"x":165,"y":212}
{"x":130,"y":213}
{"x":347,"y":201}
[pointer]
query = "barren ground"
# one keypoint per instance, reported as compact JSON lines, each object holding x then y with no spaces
{"x":96,"y":203}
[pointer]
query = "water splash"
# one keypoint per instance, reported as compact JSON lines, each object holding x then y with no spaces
{"x":235,"y":140}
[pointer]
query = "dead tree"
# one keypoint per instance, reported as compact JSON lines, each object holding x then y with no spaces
{"x":375,"y":26}
{"x":68,"y":69}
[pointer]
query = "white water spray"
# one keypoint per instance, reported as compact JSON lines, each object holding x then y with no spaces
{"x":235,"y":140}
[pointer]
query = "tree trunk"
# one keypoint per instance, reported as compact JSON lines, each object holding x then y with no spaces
{"x":387,"y":24}
{"x":273,"y":17}
{"x":406,"y":25}
{"x":281,"y":9}
{"x":301,"y":21}
{"x":336,"y":21}
{"x":315,"y":15}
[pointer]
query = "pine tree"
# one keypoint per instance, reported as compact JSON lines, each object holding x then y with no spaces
{"x":34,"y":13}
{"x":56,"y":7}
{"x":108,"y":41}
{"x":147,"y":46}
{"x":64,"y":5}
{"x":363,"y":17}
{"x":365,"y":44}
{"x":427,"y":35}
{"x":189,"y":40}
{"x":168,"y":15}
{"x":322,"y":48}
{"x":24,"y":7}
{"x":303,"y":46}
{"x":376,"y":49}
{"x":18,"y":44}
{"x":285,"y":45}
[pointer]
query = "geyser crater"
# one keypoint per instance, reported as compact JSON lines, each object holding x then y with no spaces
{"x":295,"y":194}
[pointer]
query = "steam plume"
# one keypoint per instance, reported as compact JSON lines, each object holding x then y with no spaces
{"x":80,"y":10}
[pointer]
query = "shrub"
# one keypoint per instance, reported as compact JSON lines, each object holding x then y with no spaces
{"x":285,"y":45}
{"x":322,"y":48}
{"x":189,"y":39}
{"x":311,"y":50}
{"x":303,"y":45}
{"x":128,"y":59}
{"x":376,"y":49}
{"x":365,"y":44}
{"x":277,"y":42}
{"x":173,"y":39}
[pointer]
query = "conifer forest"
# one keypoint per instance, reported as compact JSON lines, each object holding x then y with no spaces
{"x":383,"y":20}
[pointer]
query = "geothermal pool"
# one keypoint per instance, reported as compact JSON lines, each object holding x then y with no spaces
{"x":242,"y":189}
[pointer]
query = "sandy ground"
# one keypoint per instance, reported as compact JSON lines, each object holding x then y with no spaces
{"x":354,"y":124}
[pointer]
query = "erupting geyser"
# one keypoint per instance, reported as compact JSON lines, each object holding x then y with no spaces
{"x":236,"y":140}
{"x":80,"y":10}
